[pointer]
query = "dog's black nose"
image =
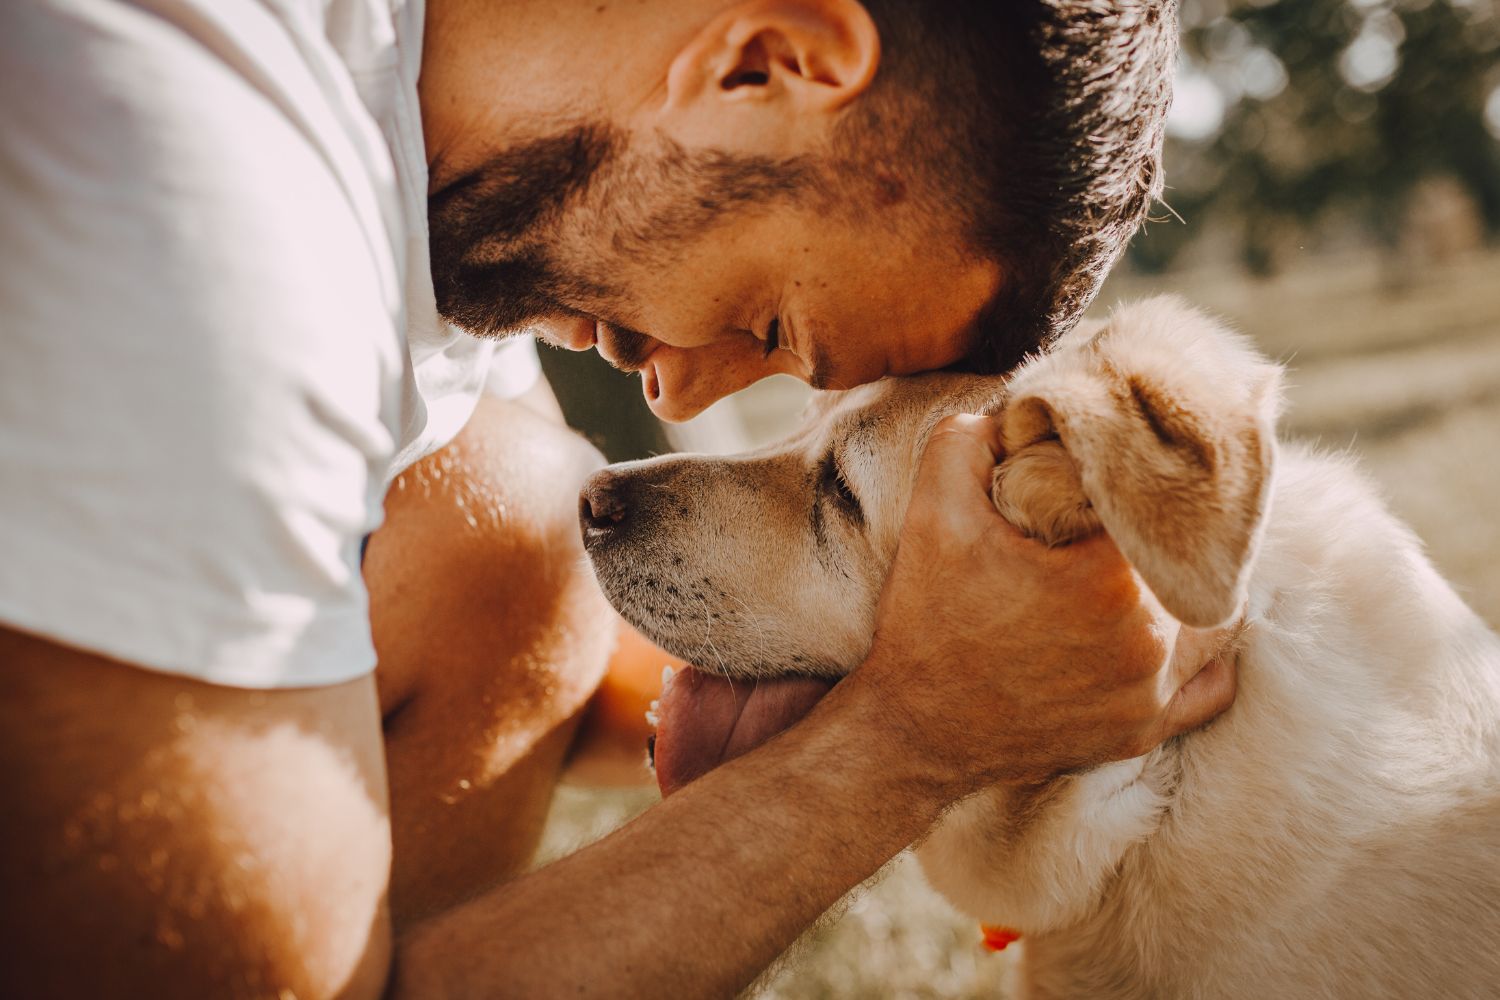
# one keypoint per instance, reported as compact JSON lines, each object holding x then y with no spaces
{"x":601,"y":504}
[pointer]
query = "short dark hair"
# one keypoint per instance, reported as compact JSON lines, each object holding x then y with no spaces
{"x":1038,"y":124}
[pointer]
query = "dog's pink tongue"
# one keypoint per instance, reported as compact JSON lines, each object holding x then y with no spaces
{"x":706,"y":720}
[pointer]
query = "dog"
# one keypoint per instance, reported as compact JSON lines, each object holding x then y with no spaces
{"x":1335,"y":834}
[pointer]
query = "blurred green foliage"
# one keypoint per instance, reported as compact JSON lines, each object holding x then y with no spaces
{"x":1294,"y":117}
{"x":604,"y":405}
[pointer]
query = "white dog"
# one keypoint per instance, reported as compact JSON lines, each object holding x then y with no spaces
{"x":1335,"y":834}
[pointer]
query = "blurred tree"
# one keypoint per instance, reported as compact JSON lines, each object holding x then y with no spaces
{"x":1297,"y":116}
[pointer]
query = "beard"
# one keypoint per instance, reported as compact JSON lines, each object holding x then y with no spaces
{"x":496,"y":232}
{"x":490,"y":232}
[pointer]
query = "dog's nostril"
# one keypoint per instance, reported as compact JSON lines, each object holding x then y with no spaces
{"x":601,"y":504}
{"x":602,"y":511}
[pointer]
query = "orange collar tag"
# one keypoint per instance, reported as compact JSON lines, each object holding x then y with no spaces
{"x":998,"y":938}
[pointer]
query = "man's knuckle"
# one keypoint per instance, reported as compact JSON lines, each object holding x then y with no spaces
{"x":1143,"y":742}
{"x":1143,"y":650}
{"x":1143,"y":709}
{"x":1138,"y":721}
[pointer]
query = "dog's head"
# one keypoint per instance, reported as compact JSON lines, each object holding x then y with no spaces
{"x":771,"y":562}
{"x":1156,"y":426}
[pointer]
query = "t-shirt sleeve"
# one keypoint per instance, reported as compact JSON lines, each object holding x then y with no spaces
{"x":199,"y":364}
{"x":514,"y":368}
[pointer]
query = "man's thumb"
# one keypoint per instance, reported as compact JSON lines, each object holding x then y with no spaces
{"x":958,"y":464}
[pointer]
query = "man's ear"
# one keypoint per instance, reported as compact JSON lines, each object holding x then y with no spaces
{"x":1160,"y":429}
{"x":804,"y":56}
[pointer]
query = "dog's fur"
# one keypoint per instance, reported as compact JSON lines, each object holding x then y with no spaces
{"x":1335,"y":834}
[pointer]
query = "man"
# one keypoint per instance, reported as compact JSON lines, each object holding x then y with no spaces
{"x":224,"y":353}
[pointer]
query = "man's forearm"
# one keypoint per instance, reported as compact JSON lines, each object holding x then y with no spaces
{"x":703,"y":891}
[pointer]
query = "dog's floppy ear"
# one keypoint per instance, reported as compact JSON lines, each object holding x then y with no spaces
{"x":1160,"y":428}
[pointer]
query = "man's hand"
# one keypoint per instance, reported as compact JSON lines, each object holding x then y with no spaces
{"x":1008,"y":661}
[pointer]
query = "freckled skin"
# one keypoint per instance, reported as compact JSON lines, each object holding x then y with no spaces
{"x":477,"y":730}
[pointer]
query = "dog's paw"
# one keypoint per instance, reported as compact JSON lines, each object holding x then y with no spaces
{"x":1039,"y":491}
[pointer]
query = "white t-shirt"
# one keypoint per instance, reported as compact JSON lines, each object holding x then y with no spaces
{"x":218,"y":342}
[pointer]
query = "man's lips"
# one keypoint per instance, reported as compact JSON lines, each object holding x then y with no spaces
{"x":706,"y":720}
{"x":624,"y":349}
{"x":570,"y":331}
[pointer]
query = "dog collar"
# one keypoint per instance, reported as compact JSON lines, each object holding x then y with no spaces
{"x":997,"y":938}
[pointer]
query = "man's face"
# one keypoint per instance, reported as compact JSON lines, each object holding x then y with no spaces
{"x":701,"y":271}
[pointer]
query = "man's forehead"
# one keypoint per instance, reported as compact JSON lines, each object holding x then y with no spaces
{"x":862,"y":413}
{"x":899,"y":404}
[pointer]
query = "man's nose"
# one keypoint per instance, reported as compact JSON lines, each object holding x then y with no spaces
{"x":602,"y":506}
{"x":680,"y":384}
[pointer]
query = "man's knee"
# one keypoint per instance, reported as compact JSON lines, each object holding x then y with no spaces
{"x":479,"y":565}
{"x":491,"y":636}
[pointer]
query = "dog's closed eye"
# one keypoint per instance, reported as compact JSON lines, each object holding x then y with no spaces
{"x":834,"y":485}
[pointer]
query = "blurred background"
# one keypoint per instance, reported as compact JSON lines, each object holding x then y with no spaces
{"x":1333,"y":171}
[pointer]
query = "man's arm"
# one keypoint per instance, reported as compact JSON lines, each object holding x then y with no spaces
{"x":175,"y":839}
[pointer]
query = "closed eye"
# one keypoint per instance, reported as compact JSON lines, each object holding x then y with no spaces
{"x":835,"y":486}
{"x":773,"y":336}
